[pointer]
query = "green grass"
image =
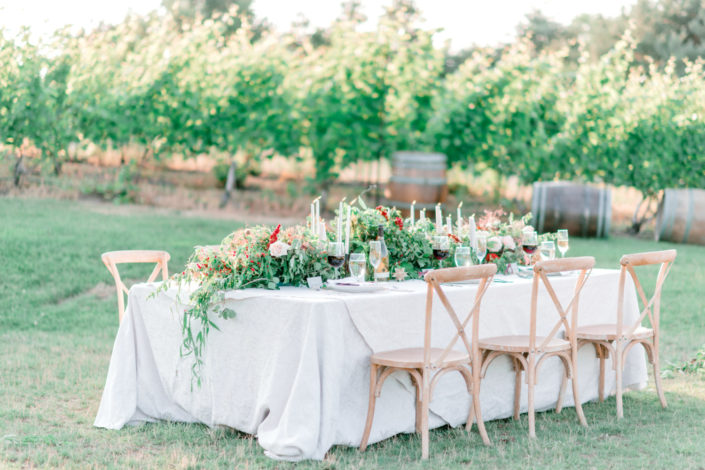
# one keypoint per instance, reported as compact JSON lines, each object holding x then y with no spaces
{"x":57,"y":330}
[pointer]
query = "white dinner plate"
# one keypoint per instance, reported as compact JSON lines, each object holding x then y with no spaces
{"x":351,"y":286}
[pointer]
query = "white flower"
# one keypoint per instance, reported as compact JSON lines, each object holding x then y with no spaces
{"x":494,"y":244}
{"x":278,"y":248}
{"x":508,"y":242}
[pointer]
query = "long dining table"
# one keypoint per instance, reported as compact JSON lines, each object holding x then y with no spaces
{"x":292,"y":366}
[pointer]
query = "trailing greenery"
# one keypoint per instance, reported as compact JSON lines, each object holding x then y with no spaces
{"x":267,"y":257}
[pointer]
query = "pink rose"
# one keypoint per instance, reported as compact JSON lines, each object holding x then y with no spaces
{"x":278,"y":248}
{"x":494,"y":244}
{"x":508,"y":242}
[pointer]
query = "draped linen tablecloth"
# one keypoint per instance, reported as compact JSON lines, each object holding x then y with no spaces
{"x":292,"y":367}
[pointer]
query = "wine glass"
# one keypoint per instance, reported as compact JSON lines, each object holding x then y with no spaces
{"x":481,"y":247}
{"x":336,"y":255}
{"x":563,"y":242}
{"x":357,"y":266}
{"x":375,"y":255}
{"x":529,"y":243}
{"x":548,"y":250}
{"x":441,"y":248}
{"x":462,"y":256}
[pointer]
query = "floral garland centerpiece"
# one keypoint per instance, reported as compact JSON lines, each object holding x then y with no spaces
{"x":265,"y":257}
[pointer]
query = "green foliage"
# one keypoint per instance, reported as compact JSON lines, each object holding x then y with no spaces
{"x":218,"y":86}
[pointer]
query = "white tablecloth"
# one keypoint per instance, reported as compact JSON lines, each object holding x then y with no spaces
{"x":293,"y":367}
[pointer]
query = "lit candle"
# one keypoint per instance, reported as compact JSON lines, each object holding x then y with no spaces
{"x":473,"y":235}
{"x":347,"y":231}
{"x":412,"y":212}
{"x":340,"y":222}
{"x":439,"y":218}
{"x":318,"y":215}
{"x":460,"y":218}
{"x":313,"y":217}
{"x":422,"y":215}
{"x":449,"y":222}
{"x":322,"y":231}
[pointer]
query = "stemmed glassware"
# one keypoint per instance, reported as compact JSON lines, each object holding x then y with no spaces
{"x":336,"y":255}
{"x":548,"y":250}
{"x":462,"y":256}
{"x":481,"y":247}
{"x":563,"y":242}
{"x":357,"y":266}
{"x":375,"y":254}
{"x":441,"y":248}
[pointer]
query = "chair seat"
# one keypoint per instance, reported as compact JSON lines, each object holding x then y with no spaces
{"x":608,"y":332}
{"x":520,"y":343}
{"x":412,"y":358}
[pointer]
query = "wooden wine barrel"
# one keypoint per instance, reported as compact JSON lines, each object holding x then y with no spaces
{"x":586,"y":211}
{"x":681,"y":216}
{"x":417,"y":176}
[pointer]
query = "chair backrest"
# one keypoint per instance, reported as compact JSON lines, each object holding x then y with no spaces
{"x":434,"y":279}
{"x":112,"y":258}
{"x":582,"y":264}
{"x":628,"y":262}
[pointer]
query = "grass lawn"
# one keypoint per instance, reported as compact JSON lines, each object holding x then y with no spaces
{"x":58,"y":319}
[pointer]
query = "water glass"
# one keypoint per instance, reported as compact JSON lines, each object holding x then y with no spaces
{"x":562,"y":242}
{"x":357,"y":265}
{"x":462,"y":256}
{"x":548,"y":250}
{"x":481,"y":239}
{"x":375,"y":254}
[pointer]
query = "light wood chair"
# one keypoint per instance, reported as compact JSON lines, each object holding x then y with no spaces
{"x":426,"y":365}
{"x":112,"y":258}
{"x":529,"y":351}
{"x":617,"y":339}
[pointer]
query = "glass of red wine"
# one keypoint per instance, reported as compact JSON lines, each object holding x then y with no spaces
{"x":529,"y":243}
{"x":336,"y":256}
{"x":441,"y":248}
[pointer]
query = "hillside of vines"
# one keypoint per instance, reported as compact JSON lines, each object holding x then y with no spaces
{"x":171,"y":88}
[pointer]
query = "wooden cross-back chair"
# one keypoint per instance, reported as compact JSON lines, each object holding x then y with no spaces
{"x":112,"y":258}
{"x":529,"y":351}
{"x":616,"y":339}
{"x":427,"y":364}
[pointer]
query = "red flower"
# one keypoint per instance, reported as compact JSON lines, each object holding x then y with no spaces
{"x":491,"y":257}
{"x":399,"y":222}
{"x":273,"y":237}
{"x":454,"y":238}
{"x":383,"y":212}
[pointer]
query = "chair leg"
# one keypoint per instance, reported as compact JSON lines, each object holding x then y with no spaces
{"x":576,"y":391}
{"x":476,"y":405}
{"x":426,"y":394}
{"x":517,"y":388}
{"x":657,"y":378}
{"x":419,"y":411}
{"x":370,"y":407}
{"x":602,"y":352}
{"x":531,"y":380}
{"x":618,"y":370}
{"x":561,"y":392}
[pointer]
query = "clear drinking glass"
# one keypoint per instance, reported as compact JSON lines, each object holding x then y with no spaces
{"x":462,"y":256}
{"x":548,"y":250}
{"x":562,"y":242}
{"x":375,"y":254}
{"x":336,"y":255}
{"x":357,"y":265}
{"x":481,"y":239}
{"x":441,"y":248}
